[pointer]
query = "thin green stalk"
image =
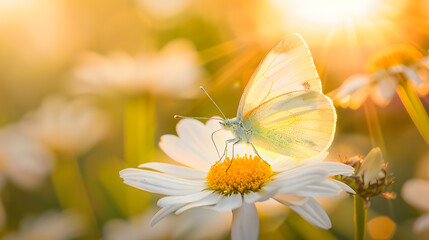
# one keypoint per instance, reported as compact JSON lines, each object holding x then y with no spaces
{"x":359,"y":217}
{"x":72,"y":193}
{"x":374,"y":126}
{"x":139,"y":128}
{"x":414,"y":107}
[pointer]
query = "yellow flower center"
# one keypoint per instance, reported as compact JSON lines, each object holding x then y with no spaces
{"x":245,"y":174}
{"x":393,"y":55}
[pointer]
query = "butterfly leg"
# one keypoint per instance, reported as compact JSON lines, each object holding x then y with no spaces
{"x":226,"y":148}
{"x":254,"y":149}
{"x":237,"y":141}
{"x":214,"y":144}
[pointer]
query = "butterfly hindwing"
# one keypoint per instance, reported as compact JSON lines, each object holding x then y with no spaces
{"x":298,"y":124}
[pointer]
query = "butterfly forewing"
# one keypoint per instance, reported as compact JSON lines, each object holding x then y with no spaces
{"x":299,"y":124}
{"x":287,"y":67}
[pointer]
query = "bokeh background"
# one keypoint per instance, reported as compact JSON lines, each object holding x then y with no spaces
{"x":88,"y":87}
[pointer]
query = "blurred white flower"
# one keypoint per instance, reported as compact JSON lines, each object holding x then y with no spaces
{"x":64,"y":126}
{"x":49,"y":226}
{"x":164,"y":8}
{"x":116,"y":72}
{"x":174,"y":70}
{"x":386,"y":67}
{"x":23,"y":160}
{"x":416,"y":192}
{"x":194,"y":224}
{"x":236,"y":186}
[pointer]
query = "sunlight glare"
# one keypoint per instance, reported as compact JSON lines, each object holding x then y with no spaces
{"x":328,"y":11}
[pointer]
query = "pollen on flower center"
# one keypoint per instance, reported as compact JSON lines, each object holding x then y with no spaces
{"x":246,"y":174}
{"x":392,"y":56}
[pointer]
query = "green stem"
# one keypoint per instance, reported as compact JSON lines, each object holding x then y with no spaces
{"x":359,"y":217}
{"x":72,"y":193}
{"x":415,"y":108}
{"x":140,"y":124}
{"x":139,"y":130}
{"x":374,"y":126}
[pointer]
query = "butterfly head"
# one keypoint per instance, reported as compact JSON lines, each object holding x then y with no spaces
{"x":229,"y":124}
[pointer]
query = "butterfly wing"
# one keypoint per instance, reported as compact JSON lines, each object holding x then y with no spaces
{"x":287,"y":67}
{"x":299,"y":124}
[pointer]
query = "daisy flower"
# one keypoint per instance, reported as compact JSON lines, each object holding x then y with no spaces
{"x":388,"y":68}
{"x":49,"y":226}
{"x":396,"y":68}
{"x":203,"y":181}
{"x":63,"y":125}
{"x":172,"y":71}
{"x":23,"y":160}
{"x":416,"y":192}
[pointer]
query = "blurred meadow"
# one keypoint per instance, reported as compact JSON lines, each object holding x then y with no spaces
{"x":87,"y":88}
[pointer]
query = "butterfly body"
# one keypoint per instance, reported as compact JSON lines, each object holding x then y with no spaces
{"x":242,"y":129}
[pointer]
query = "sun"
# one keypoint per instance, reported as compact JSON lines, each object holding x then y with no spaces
{"x":329,"y":11}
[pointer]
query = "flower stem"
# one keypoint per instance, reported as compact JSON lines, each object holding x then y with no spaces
{"x":415,"y":108}
{"x":374,"y":126}
{"x":71,"y":191}
{"x":139,"y":120}
{"x":359,"y":217}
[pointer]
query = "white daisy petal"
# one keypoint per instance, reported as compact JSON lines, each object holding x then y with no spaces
{"x":252,"y":197}
{"x":163,"y":213}
{"x":210,"y":200}
{"x":413,"y":76}
{"x":178,"y":150}
{"x":160,"y":183}
{"x":385,"y":89}
{"x":288,"y":182}
{"x":150,"y":176}
{"x":288,"y":200}
{"x":328,"y":187}
{"x":159,"y":190}
{"x":352,"y":84}
{"x":259,"y":196}
{"x":354,"y":91}
{"x":174,"y":170}
{"x":166,"y":201}
{"x":213,"y":124}
{"x":197,"y":136}
{"x":245,"y":223}
{"x":283,"y":163}
{"x":421,"y":224}
{"x":372,"y":165}
{"x":228,"y":203}
{"x":358,"y":98}
{"x":313,"y":213}
{"x":343,"y":186}
{"x":336,"y":168}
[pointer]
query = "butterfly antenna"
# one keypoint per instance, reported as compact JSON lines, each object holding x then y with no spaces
{"x":206,"y":118}
{"x":202,"y":88}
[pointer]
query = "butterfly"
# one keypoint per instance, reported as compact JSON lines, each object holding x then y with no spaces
{"x":283,"y":109}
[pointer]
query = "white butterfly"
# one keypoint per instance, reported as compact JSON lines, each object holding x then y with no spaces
{"x":283,"y":109}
